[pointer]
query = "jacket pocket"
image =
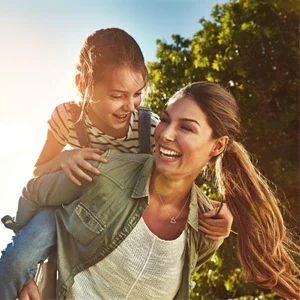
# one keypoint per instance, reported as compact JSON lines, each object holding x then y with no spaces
{"x":84,"y":226}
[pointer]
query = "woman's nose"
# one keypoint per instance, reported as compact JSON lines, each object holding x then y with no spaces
{"x":168,"y":134}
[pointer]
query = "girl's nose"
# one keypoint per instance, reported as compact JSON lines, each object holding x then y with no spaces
{"x":130,"y":104}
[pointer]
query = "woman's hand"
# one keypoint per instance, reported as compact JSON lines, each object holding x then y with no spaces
{"x":29,"y":291}
{"x":219,"y":227}
{"x":73,"y":161}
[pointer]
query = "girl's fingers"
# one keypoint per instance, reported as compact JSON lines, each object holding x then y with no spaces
{"x":94,"y":155}
{"x":77,"y":171}
{"x":70,"y":174}
{"x":97,"y":157}
{"x":74,"y":179}
{"x":76,"y":166}
{"x":96,"y":150}
{"x":87,"y":166}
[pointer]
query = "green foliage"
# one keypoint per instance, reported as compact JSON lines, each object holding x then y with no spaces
{"x":250,"y":47}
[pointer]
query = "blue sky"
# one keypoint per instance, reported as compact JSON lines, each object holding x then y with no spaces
{"x":39,"y":42}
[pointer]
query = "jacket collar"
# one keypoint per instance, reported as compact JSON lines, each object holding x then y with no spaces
{"x":141,"y":189}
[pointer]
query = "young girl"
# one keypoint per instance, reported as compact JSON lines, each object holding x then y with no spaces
{"x":111,"y":77}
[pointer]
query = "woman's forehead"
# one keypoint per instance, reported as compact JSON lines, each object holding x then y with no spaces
{"x":184,"y":107}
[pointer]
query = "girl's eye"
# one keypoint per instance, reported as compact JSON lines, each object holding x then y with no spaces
{"x":116,"y":96}
{"x":137,"y":94}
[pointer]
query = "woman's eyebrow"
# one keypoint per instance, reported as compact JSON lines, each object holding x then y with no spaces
{"x":184,"y":119}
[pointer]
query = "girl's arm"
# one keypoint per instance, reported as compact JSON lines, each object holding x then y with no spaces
{"x":72,"y":162}
{"x":216,"y":228}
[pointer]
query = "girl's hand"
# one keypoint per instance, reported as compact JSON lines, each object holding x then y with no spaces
{"x":73,"y":161}
{"x":216,"y":228}
{"x":29,"y":291}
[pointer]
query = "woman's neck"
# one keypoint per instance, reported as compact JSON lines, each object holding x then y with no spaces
{"x":170,"y":190}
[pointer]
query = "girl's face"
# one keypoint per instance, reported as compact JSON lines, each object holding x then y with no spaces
{"x":114,"y":99}
{"x":183,"y":139}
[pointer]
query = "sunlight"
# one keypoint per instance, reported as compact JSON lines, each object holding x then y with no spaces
{"x":17,"y":157}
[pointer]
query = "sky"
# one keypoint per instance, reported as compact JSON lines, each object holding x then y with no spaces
{"x":39,"y":43}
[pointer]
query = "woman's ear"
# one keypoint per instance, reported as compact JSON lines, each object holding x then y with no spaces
{"x":219,"y":145}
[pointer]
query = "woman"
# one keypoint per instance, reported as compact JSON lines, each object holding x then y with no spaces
{"x":146,"y":230}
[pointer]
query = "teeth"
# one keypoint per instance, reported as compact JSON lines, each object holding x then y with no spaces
{"x":168,"y":152}
{"x":121,"y":116}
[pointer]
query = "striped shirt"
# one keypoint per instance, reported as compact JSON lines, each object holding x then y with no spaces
{"x":62,"y":127}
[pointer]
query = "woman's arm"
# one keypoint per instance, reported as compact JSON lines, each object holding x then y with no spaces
{"x":30,"y":291}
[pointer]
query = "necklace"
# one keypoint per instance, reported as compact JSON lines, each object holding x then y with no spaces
{"x":172,"y":219}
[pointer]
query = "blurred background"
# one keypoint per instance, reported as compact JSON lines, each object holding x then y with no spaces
{"x":250,"y":47}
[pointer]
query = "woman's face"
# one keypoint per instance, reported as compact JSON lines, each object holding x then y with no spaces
{"x":114,"y":99}
{"x":183,"y":138}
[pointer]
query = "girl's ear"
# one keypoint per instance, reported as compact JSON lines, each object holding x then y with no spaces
{"x":219,"y":146}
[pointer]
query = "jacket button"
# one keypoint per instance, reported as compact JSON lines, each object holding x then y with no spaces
{"x":87,"y":218}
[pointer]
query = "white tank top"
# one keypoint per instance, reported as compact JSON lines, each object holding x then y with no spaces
{"x":142,"y":267}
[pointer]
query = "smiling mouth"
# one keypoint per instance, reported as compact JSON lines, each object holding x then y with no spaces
{"x":169,"y":153}
{"x":120,"y":117}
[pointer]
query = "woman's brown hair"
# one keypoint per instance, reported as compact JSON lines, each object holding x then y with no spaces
{"x":265,"y":249}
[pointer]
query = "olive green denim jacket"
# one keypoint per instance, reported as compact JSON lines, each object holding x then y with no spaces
{"x":104,"y":213}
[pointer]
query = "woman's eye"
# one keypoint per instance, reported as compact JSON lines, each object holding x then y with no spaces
{"x":164,"y":120}
{"x":187,"y":128}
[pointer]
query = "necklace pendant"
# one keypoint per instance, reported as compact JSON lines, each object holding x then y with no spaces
{"x":173,"y":220}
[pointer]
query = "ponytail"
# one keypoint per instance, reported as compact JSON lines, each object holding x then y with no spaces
{"x":264,"y":249}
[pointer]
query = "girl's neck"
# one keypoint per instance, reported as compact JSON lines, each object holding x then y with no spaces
{"x":103,"y":127}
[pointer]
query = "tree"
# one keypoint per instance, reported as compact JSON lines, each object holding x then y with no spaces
{"x":250,"y":47}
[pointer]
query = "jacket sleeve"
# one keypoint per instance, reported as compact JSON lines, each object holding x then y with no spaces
{"x":206,"y":249}
{"x":48,"y":190}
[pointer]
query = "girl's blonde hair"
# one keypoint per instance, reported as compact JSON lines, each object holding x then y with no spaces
{"x":102,"y":52}
{"x":264,"y":247}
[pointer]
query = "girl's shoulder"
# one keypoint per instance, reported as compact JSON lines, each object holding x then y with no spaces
{"x":65,"y":110}
{"x":154,"y":118}
{"x":69,"y":106}
{"x":61,"y":124}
